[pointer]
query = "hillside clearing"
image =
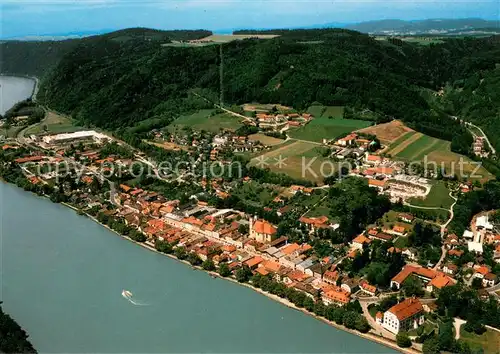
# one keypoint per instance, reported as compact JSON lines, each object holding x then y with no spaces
{"x":266,"y":140}
{"x":325,"y":128}
{"x":388,"y":132}
{"x":294,"y":156}
{"x":204,"y":120}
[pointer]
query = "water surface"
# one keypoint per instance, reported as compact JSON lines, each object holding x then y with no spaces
{"x":14,"y":89}
{"x":63,"y":275}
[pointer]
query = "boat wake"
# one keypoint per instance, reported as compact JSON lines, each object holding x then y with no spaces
{"x":129,"y":296}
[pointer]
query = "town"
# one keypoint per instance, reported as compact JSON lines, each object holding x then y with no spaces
{"x":385,"y":272}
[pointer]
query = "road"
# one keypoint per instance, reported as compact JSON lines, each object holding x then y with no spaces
{"x":493,"y":151}
{"x":443,"y":230}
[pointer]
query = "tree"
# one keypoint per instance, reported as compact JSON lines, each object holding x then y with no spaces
{"x":208,"y":265}
{"x":362,"y":324}
{"x":180,"y":253}
{"x":194,"y":259}
{"x":309,"y":304}
{"x":403,"y":340}
{"x":431,"y":346}
{"x":350,"y":318}
{"x":224,"y":270}
{"x":243,"y":274}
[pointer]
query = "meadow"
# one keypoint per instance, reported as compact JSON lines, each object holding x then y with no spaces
{"x":295,"y":155}
{"x":417,"y":147}
{"x":54,"y":124}
{"x":203,"y":120}
{"x":324,"y":128}
{"x":438,"y":197}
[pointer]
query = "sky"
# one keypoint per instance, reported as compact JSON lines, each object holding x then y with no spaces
{"x":21,"y":18}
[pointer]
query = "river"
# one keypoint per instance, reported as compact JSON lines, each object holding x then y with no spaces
{"x":62,"y":278}
{"x":14,"y":89}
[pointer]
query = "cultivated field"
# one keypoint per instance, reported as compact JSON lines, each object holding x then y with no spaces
{"x":388,"y":133}
{"x":266,"y":140}
{"x":415,"y":147}
{"x":202,"y":120}
{"x":325,"y":128}
{"x":226,"y":38}
{"x":294,"y":156}
{"x":168,"y":146}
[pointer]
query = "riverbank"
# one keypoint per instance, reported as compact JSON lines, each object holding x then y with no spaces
{"x":369,"y":336}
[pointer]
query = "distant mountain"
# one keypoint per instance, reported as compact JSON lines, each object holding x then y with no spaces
{"x":430,"y":26}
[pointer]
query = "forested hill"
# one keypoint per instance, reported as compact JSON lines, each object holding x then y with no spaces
{"x":13,"y":339}
{"x":35,"y":58}
{"x":114,"y":84}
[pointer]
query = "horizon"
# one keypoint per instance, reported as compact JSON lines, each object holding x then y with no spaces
{"x":42,"y":18}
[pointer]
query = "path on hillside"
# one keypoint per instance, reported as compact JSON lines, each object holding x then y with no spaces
{"x":457,"y":323}
{"x":494,"y":152}
{"x":443,"y":231}
{"x":224,"y":109}
{"x":425,"y":208}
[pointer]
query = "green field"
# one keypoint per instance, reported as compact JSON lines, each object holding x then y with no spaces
{"x":295,"y":155}
{"x":326,"y":111}
{"x":316,"y":111}
{"x":421,"y":147}
{"x":202,"y":120}
{"x":438,"y":197}
{"x":488,"y":342}
{"x":55,"y":124}
{"x":324,"y":128}
{"x":400,"y":141}
{"x":415,"y":147}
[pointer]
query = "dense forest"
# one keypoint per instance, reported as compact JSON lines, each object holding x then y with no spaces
{"x":35,"y":58}
{"x":128,"y":79}
{"x":13,"y":339}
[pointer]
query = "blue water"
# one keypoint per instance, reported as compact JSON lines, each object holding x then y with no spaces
{"x":62,"y":276}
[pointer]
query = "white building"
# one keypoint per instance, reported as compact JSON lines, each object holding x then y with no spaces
{"x":482,"y":222}
{"x":406,"y":315}
{"x":76,"y":136}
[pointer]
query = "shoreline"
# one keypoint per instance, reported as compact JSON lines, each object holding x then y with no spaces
{"x":368,"y":336}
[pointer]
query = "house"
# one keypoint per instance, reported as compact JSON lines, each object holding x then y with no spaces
{"x":262,"y":231}
{"x":489,"y":279}
{"x":367,"y":288}
{"x":350,"y":285}
{"x":252,"y":263}
{"x":379,"y":318}
{"x":381,"y":236}
{"x":347,"y":141}
{"x":406,"y":217}
{"x":468,"y":234}
{"x":482,"y":222}
{"x":450,"y":268}
{"x":407,"y":315}
{"x":373,"y":159}
{"x":455,"y":253}
{"x":439,"y":282}
{"x":481,"y":271}
{"x":359,"y":241}
{"x":381,"y":185}
{"x":335,"y":295}
{"x":331,"y":277}
{"x":425,"y":274}
{"x":313,"y":224}
{"x":451,"y":241}
{"x":399,"y":230}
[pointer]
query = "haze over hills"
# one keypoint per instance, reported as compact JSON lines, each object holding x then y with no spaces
{"x":428,"y":26}
{"x":465,"y":26}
